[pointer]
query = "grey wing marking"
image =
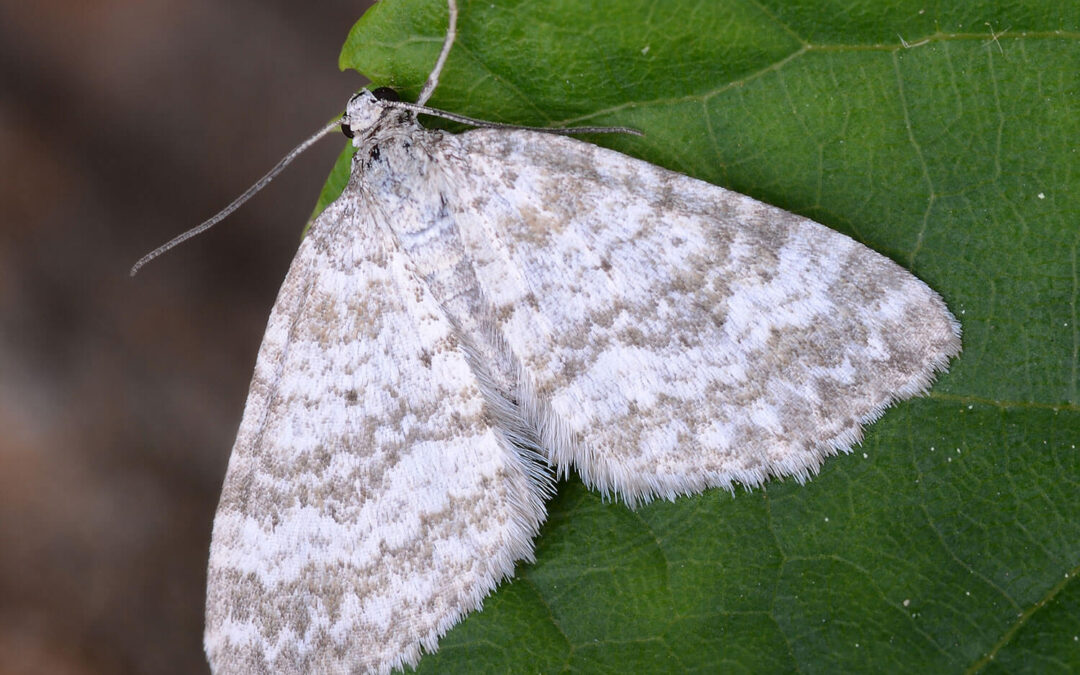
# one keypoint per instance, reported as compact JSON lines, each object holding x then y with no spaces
{"x":368,"y":503}
{"x":684,"y":335}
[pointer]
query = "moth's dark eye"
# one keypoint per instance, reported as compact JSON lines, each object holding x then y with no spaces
{"x":385,"y":94}
{"x":346,"y":129}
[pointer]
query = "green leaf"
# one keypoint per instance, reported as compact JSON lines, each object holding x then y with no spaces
{"x":943,"y":135}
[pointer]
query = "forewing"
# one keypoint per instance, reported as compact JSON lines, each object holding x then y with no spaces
{"x":368,"y":504}
{"x":686,"y":336}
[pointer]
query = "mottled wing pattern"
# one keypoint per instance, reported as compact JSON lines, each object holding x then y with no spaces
{"x":686,"y":336}
{"x":368,"y":504}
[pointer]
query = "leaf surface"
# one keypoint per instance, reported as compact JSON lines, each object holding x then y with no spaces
{"x":942,"y":135}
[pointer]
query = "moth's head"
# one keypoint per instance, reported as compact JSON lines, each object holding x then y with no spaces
{"x":365,"y":109}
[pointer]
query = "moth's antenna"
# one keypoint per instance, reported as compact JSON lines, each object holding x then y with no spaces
{"x":454,"y":117}
{"x":448,"y":42}
{"x":248,"y":194}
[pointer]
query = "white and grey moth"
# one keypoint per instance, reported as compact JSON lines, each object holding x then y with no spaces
{"x":478,"y":313}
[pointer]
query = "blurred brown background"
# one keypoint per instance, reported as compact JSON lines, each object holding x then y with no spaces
{"x":123,"y":123}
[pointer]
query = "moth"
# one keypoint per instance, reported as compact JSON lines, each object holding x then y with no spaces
{"x":480,"y":313}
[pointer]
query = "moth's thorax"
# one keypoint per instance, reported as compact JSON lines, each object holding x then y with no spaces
{"x":401,"y":167}
{"x":398,"y":167}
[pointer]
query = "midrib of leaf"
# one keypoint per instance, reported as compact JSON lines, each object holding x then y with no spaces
{"x":806,"y":49}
